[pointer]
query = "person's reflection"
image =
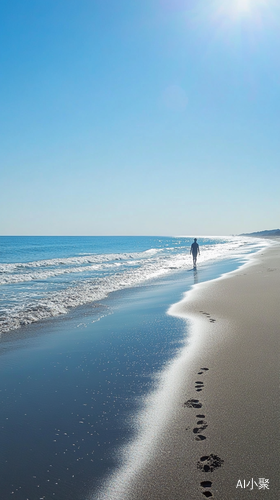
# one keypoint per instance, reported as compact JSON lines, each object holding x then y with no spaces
{"x":195,"y":276}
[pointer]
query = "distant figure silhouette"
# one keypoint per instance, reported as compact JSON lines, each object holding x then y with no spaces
{"x":194,"y":251}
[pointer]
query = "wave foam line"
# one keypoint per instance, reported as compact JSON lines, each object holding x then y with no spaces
{"x":84,"y":291}
{"x":68,"y":261}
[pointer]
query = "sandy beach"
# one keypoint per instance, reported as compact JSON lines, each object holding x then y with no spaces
{"x":222,"y":439}
{"x":170,"y":395}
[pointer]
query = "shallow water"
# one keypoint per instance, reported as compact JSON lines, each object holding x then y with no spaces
{"x":45,"y":277}
{"x":70,"y":389}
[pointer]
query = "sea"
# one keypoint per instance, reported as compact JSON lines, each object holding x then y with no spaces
{"x":85,"y":337}
{"x":45,"y":277}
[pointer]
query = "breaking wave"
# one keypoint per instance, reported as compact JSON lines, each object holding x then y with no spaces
{"x":32,"y":291}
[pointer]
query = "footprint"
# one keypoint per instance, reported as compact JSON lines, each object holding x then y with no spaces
{"x":200,"y":437}
{"x":199,"y":386}
{"x":202,"y":370}
{"x":200,"y":416}
{"x":208,"y":463}
{"x":206,"y":484}
{"x":192,"y":403}
{"x":212,"y":320}
{"x":202,"y":427}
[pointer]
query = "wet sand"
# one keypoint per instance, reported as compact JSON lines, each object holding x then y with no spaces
{"x":221,"y":438}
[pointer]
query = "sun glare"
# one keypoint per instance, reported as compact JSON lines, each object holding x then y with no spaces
{"x":236,"y":9}
{"x":243,"y":5}
{"x":247,"y":6}
{"x":234,"y":19}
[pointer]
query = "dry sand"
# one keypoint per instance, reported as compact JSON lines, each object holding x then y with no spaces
{"x":232,"y":371}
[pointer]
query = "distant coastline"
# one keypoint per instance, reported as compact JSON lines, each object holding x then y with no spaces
{"x":263,"y":234}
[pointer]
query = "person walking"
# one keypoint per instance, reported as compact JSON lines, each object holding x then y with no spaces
{"x":194,"y":251}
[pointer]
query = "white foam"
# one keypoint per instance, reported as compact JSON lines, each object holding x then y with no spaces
{"x":91,"y":278}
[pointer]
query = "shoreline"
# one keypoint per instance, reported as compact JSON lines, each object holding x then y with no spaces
{"x":43,"y":286}
{"x":68,"y":373}
{"x":103,"y":374}
{"x":97,"y":310}
{"x":230,"y":367}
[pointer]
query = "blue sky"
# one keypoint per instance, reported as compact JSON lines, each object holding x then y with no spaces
{"x":139,"y":117}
